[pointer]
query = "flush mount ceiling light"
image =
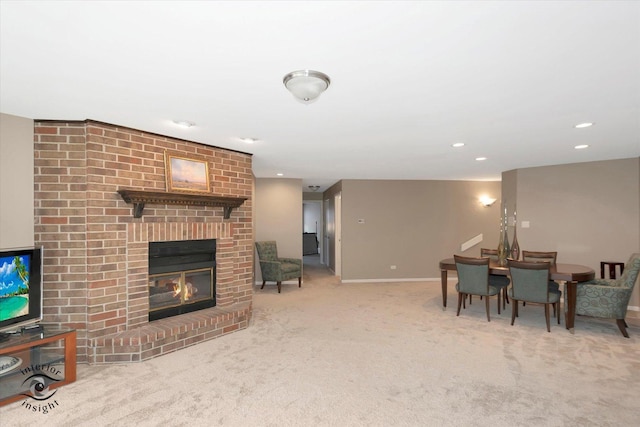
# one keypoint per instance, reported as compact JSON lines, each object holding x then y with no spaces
{"x":581,"y":146}
{"x":314,"y":187}
{"x":184,"y":123}
{"x":481,"y":159}
{"x":584,"y":125}
{"x":458,"y":145}
{"x":249,"y":140}
{"x":306,"y":85}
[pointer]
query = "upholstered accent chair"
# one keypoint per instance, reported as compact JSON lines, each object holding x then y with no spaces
{"x":609,"y":298}
{"x":501,"y":282}
{"x":473,"y":279}
{"x":530,"y":283}
{"x":275,"y":269}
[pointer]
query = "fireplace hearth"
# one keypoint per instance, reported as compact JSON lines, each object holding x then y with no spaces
{"x":182,"y":277}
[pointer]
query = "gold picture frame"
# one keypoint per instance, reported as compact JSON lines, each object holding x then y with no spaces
{"x":186,"y":175}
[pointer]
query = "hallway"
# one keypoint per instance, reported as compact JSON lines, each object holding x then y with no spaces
{"x":313,"y":271}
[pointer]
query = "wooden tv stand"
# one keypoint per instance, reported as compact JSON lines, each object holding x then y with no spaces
{"x":50,"y":351}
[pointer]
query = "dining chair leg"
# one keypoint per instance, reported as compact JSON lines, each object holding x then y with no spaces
{"x":263,"y":282}
{"x":558,"y":312}
{"x":487,"y":305}
{"x":461,"y":296}
{"x":546,"y":316}
{"x":514,"y":310}
{"x":279,"y":286}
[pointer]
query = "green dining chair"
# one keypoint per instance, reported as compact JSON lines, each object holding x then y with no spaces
{"x":537,"y":256}
{"x":501,"y":282}
{"x":550,"y":257}
{"x":530,"y":283}
{"x":473,"y":279}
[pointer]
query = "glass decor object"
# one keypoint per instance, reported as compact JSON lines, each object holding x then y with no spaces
{"x":502,"y":253}
{"x":507,"y":248}
{"x":515,"y":247}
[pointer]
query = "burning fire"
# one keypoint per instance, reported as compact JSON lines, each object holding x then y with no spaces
{"x":185,"y":292}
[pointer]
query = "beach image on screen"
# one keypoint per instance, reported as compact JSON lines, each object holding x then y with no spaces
{"x":14,"y":286}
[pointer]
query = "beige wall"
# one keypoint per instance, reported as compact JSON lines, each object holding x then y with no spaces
{"x":412,"y":225}
{"x":587,"y":212}
{"x":311,"y":196}
{"x":278,"y":216}
{"x":16,"y":182}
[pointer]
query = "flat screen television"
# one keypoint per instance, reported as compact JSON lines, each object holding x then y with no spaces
{"x":20,"y":288}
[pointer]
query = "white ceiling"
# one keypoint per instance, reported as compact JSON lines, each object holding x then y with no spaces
{"x":509,"y":79}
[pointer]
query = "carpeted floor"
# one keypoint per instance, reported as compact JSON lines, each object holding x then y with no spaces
{"x":368,"y":354}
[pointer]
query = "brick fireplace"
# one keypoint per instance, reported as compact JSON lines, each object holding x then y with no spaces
{"x":96,"y":252}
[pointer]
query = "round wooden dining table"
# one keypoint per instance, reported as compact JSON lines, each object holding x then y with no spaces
{"x":572,"y":274}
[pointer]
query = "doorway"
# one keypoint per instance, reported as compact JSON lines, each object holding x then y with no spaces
{"x":333,"y":233}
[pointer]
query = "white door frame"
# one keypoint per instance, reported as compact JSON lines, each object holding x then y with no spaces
{"x":338,"y":233}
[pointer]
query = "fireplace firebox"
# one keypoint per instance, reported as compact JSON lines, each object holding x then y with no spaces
{"x":182,"y":277}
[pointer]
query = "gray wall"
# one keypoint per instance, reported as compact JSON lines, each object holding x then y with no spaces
{"x":278,"y":216}
{"x":16,"y":182}
{"x":412,"y":225}
{"x":587,"y":212}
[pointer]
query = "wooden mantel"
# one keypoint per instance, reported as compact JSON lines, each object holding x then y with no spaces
{"x":141,"y":198}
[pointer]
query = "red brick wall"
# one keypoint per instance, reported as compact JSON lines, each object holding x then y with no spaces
{"x":95,"y":258}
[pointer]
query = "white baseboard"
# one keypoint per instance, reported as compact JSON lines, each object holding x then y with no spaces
{"x":423,"y":279}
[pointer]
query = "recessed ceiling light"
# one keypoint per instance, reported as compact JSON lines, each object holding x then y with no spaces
{"x":583,"y":125}
{"x":480,"y":159}
{"x":280,"y":174}
{"x":184,"y":123}
{"x":458,"y":144}
{"x":249,"y":140}
{"x":580,"y":147}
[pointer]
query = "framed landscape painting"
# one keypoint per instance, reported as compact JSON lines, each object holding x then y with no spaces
{"x":186,"y":174}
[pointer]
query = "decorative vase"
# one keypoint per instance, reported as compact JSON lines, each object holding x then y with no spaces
{"x":507,"y":248}
{"x":515,"y":247}
{"x":502,"y":253}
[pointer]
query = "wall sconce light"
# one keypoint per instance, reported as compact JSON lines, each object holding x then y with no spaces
{"x":487,"y":201}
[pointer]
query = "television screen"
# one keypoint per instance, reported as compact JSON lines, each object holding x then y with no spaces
{"x":20,"y":287}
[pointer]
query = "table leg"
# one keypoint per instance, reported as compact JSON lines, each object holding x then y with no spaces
{"x":570,"y":301}
{"x":443,"y":278}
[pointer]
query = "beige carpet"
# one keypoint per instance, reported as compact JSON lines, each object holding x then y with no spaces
{"x":374,"y":354}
